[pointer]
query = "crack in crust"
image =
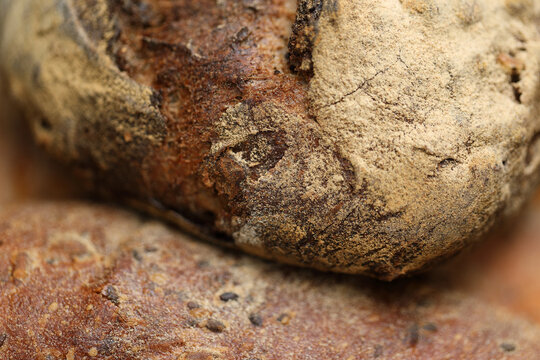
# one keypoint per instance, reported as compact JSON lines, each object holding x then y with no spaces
{"x":304,"y":33}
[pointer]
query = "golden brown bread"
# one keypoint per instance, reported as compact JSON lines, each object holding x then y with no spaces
{"x":90,"y":281}
{"x":395,"y":133}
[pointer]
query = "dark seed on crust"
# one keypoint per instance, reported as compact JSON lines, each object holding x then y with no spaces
{"x":284,"y":318}
{"x":150,"y":249}
{"x":508,"y":347}
{"x":193,"y":305}
{"x":215,"y":325}
{"x":136,"y":255}
{"x":228,"y":296}
{"x":430,"y":327}
{"x":256,"y":319}
{"x":413,"y":335}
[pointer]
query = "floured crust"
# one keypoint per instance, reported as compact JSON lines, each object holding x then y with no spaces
{"x":391,"y":136}
{"x":435,"y":104}
{"x":90,"y":281}
{"x":82,"y":106}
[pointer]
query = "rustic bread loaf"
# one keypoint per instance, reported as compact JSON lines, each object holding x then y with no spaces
{"x":87,"y":281}
{"x":501,"y":272}
{"x":357,"y":136}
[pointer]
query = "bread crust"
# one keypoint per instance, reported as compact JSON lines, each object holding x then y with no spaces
{"x":500,"y":274}
{"x":352,"y":155}
{"x":90,"y":281}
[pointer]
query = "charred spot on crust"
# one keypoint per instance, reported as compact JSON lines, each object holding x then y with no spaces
{"x":262,"y":151}
{"x":136,"y":255}
{"x":303,"y":36}
{"x":514,"y":67}
{"x":110,"y":294}
{"x":140,"y":12}
{"x":45,"y":124}
{"x":106,"y":347}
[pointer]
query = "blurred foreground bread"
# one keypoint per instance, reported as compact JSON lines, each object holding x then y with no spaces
{"x":82,"y":281}
{"x":357,"y":136}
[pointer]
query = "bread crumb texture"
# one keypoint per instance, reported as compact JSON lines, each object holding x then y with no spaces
{"x":101,"y":276}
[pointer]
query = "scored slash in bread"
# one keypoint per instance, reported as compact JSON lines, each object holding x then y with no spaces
{"x":357,"y":136}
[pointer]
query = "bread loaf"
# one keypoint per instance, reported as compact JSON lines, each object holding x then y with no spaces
{"x":500,"y":272}
{"x":80,"y":281}
{"x":358,"y":136}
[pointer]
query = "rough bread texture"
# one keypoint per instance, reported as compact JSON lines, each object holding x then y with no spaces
{"x":357,"y":136}
{"x":87,"y":281}
{"x":500,"y":272}
{"x":440,"y":121}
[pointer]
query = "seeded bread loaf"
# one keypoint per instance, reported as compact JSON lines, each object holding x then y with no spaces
{"x":358,"y":136}
{"x":81,"y":281}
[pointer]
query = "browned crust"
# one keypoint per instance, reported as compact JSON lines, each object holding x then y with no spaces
{"x":203,"y":66}
{"x":304,"y":33}
{"x":199,"y":71}
{"x":500,"y":272}
{"x":89,"y":281}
